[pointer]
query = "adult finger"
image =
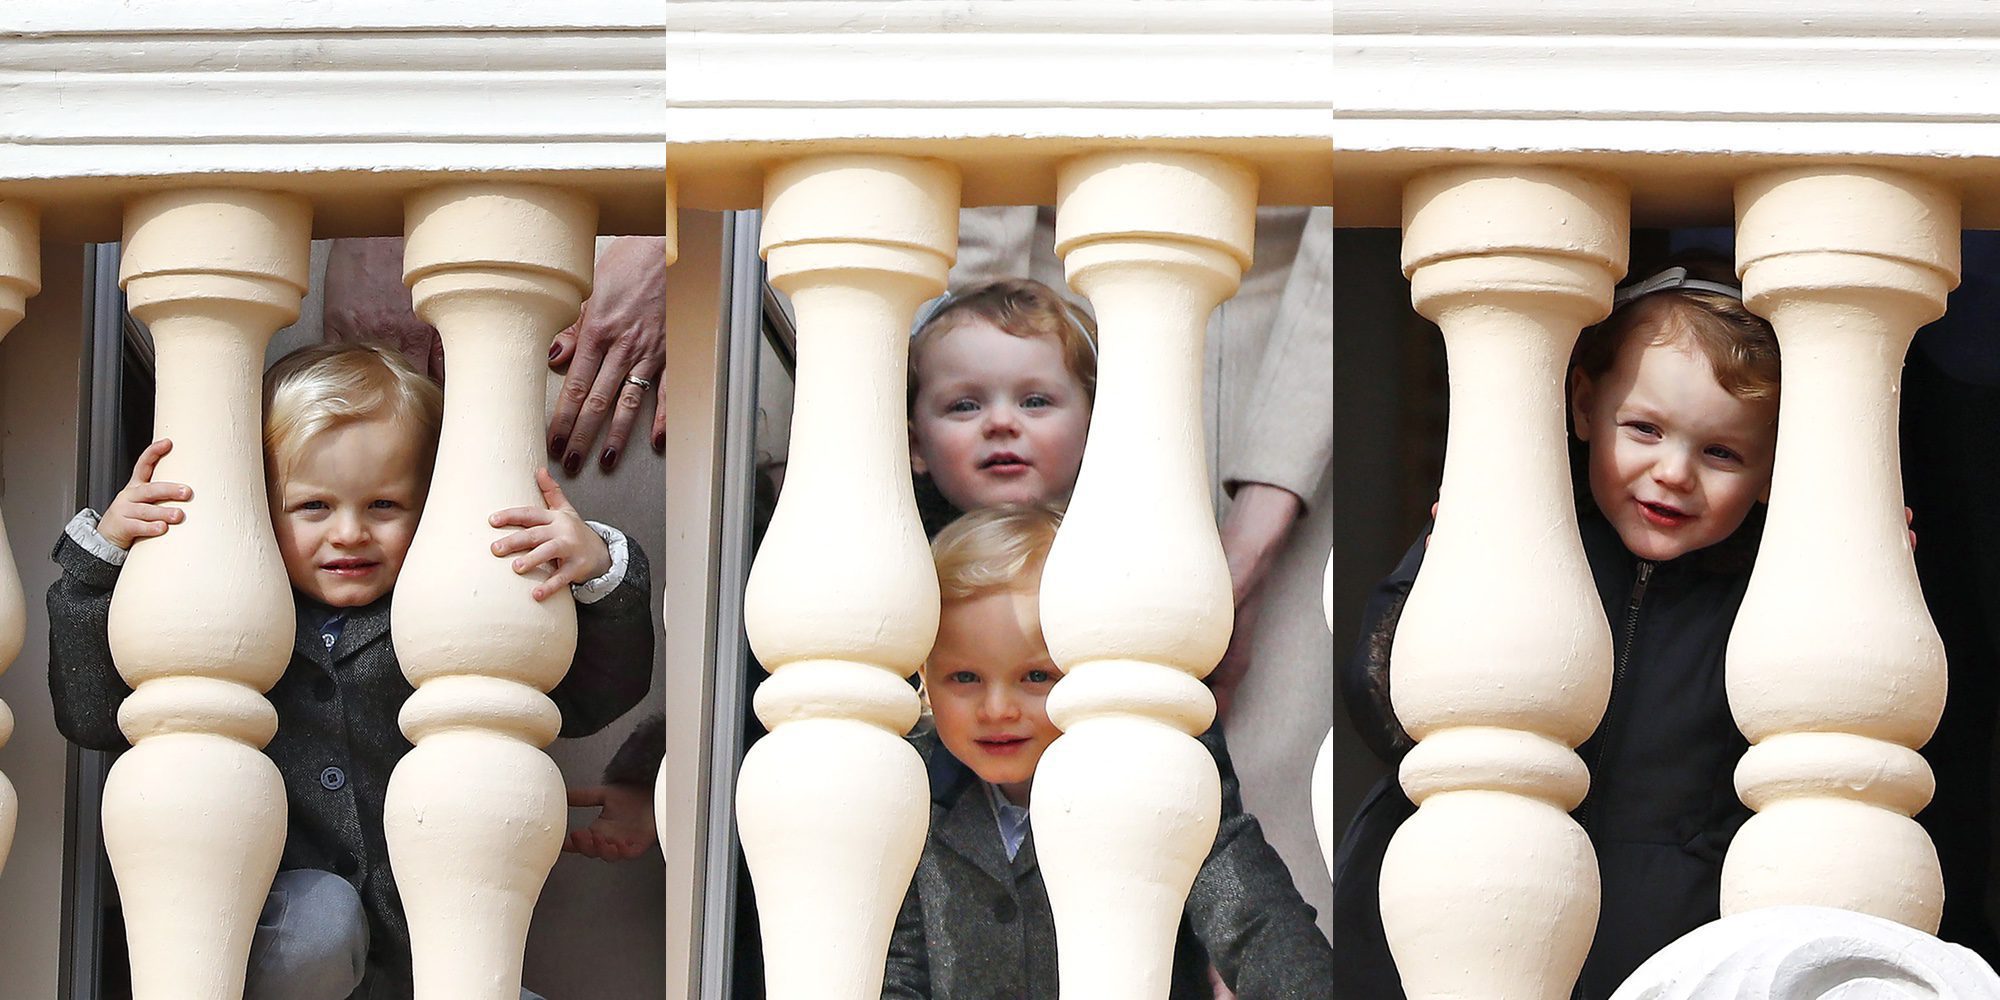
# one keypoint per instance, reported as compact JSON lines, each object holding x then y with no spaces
{"x":586,"y":795}
{"x":596,"y":408}
{"x":563,"y":347}
{"x":142,"y":470}
{"x":632,"y":397}
{"x":660,"y":416}
{"x":577,"y":384}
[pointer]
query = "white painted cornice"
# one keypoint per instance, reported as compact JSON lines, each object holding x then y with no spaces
{"x":349,"y":101}
{"x":1003,"y":87}
{"x":1679,"y":97}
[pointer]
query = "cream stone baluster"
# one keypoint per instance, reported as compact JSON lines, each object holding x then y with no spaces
{"x":201,"y":620}
{"x":20,"y":277}
{"x":475,"y":813}
{"x":1502,"y":659}
{"x":842,"y":602}
{"x":1835,"y":672}
{"x":1135,"y":597}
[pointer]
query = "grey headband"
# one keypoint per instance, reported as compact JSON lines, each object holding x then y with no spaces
{"x":936,"y":307}
{"x":1671,"y":279}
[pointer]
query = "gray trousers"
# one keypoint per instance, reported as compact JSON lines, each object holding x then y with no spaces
{"x":311,"y":941}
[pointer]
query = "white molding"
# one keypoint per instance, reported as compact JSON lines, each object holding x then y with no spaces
{"x":1004,"y":88}
{"x":101,"y":98}
{"x":1693,"y":92}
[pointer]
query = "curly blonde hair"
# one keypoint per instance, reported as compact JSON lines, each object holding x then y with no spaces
{"x":1019,"y":307}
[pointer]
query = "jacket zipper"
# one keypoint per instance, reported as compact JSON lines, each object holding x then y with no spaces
{"x":1624,"y":657}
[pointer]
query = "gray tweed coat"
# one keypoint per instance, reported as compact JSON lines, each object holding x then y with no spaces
{"x":976,"y":926}
{"x":337,"y":738}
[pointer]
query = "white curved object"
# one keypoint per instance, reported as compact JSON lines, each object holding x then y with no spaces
{"x":1502,"y":660}
{"x":475,"y":812}
{"x":1810,"y":953}
{"x":201,"y":620}
{"x":1835,"y":672}
{"x":842,"y":601}
{"x":1135,"y":596}
{"x":20,"y":277}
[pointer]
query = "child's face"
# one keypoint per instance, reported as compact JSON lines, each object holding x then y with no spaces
{"x":1676,"y":461}
{"x":998,"y":418}
{"x":988,"y":678}
{"x":346,"y":514}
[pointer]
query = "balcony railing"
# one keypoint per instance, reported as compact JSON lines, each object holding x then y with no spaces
{"x":217,"y":142}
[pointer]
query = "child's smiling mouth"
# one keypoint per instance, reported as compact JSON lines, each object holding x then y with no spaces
{"x":1663,"y":515}
{"x":349,"y":567}
{"x":1001,"y":744}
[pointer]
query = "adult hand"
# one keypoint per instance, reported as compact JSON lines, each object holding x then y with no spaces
{"x":367,"y":302}
{"x":613,"y":355}
{"x":623,"y":829}
{"x":1235,"y":663}
{"x":1260,"y":517}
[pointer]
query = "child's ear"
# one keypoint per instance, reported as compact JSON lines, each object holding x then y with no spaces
{"x":916,"y":456}
{"x":1581,"y":394}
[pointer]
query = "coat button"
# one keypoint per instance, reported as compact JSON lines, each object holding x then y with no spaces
{"x":1004,"y":910}
{"x":345,"y":866}
{"x":323,"y":689}
{"x":333,"y":779}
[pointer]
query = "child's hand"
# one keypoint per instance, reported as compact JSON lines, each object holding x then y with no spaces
{"x":137,"y":512}
{"x":555,"y":536}
{"x":623,"y":829}
{"x":1910,"y":523}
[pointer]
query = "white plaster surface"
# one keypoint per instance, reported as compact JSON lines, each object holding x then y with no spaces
{"x":475,"y":812}
{"x":1810,"y":953}
{"x":842,"y":601}
{"x":1835,"y":672}
{"x":1502,"y":662}
{"x":1136,"y":605}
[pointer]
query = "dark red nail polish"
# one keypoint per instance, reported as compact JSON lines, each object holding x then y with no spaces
{"x":608,"y":459}
{"x":660,"y":443}
{"x":554,"y":349}
{"x":556,"y":446}
{"x":572,"y":463}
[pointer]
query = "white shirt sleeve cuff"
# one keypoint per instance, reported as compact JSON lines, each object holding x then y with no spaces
{"x":592,"y":591}
{"x":82,"y":529}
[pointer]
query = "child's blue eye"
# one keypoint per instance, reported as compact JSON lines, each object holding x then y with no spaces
{"x":384,"y":505}
{"x":1041,"y":677}
{"x":961,"y":406}
{"x":313,"y":505}
{"x":1643,"y":427}
{"x":1037,"y":401}
{"x":1717,"y":451}
{"x":963,"y":677}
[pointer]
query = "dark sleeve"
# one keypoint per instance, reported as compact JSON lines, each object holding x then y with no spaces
{"x":1246,"y":911}
{"x":908,"y":975}
{"x":83,"y":685}
{"x":637,"y":761}
{"x":1364,"y":677}
{"x":613,"y":668}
